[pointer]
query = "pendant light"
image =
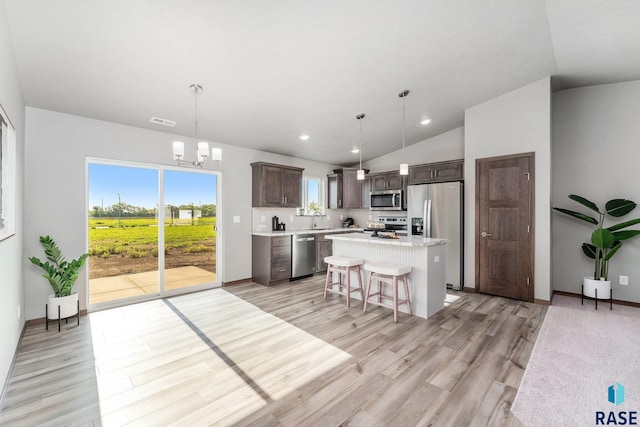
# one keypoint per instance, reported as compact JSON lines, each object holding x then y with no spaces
{"x":202,"y":148}
{"x":404,"y":167}
{"x":360,"y":173}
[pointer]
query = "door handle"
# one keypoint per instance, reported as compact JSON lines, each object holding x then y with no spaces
{"x":485,"y":234}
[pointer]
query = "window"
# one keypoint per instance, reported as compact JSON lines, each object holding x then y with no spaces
{"x":313,"y":196}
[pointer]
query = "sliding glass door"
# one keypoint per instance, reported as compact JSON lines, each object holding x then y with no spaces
{"x":132,"y":257}
{"x":190,"y":200}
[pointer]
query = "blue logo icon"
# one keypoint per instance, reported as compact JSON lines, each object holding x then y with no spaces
{"x":616,"y":394}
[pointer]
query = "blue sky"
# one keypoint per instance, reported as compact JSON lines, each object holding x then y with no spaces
{"x":139,"y":186}
{"x":313,"y":188}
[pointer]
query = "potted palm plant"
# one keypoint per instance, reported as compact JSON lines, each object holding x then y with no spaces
{"x":605,"y":242}
{"x":62,"y":275}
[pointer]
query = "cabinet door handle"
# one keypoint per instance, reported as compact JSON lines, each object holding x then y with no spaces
{"x":282,"y":270}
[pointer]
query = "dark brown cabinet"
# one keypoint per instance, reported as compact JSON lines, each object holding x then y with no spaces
{"x":437,"y":172}
{"x":366,"y":193}
{"x":275,"y":186}
{"x":387,"y":181}
{"x":271,"y":259}
{"x":345,"y":191}
{"x":324,"y":248}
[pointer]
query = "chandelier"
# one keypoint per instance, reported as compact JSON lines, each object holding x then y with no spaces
{"x":202,"y":148}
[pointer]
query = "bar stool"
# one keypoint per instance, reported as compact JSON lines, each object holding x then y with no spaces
{"x":385,"y":272}
{"x":343,"y":265}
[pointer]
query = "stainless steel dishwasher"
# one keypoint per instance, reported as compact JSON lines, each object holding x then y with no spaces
{"x":303,"y":255}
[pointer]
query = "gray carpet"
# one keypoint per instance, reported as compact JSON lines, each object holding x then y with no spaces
{"x":579,"y":353}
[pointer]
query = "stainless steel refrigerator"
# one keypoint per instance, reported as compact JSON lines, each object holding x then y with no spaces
{"x":437,"y":210}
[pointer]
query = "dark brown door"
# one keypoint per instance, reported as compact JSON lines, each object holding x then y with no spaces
{"x":504,"y":226}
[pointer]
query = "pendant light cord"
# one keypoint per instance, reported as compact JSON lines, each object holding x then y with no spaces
{"x":196,"y":113}
{"x":360,"y":120}
{"x":403,"y":127}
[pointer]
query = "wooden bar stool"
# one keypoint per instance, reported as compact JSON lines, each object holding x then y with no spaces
{"x":385,"y":272}
{"x":343,"y":265}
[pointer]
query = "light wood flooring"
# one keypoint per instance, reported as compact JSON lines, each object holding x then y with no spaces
{"x":280,"y":356}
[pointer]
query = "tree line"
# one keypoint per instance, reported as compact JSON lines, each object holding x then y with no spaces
{"x":124,"y":210}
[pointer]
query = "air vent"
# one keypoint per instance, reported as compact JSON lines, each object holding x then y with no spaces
{"x":164,"y":122}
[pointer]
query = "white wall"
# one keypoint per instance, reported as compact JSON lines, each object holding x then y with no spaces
{"x":57,"y":145}
{"x":446,"y":146}
{"x":517,"y":122}
{"x":11,"y":258}
{"x":595,"y":154}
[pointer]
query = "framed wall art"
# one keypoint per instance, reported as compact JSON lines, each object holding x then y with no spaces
{"x":7,"y":176}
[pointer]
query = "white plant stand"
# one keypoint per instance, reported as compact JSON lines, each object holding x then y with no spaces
{"x":62,"y":308}
{"x":592,"y":291}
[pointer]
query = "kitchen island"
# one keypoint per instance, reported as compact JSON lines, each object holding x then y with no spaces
{"x":427,"y":258}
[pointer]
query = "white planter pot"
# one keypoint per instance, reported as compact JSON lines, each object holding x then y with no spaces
{"x":603,"y":287}
{"x":68,"y":306}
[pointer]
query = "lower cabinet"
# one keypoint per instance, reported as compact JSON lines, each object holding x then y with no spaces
{"x":324,"y":248}
{"x":271,"y":259}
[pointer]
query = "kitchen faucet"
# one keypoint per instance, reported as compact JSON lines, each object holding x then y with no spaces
{"x":313,"y":220}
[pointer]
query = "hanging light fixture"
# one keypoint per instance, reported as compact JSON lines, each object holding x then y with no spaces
{"x":404,"y":167}
{"x":360,"y":173}
{"x":202,"y":148}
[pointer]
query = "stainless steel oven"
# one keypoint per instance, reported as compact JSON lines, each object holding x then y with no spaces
{"x":387,"y":200}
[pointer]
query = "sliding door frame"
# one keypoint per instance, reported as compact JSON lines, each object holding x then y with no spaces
{"x":160,"y":169}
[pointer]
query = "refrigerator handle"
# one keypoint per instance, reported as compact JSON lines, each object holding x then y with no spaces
{"x":424,"y":219}
{"x":427,"y":204}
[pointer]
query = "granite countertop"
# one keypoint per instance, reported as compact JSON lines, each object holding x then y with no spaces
{"x":306,"y":231}
{"x":400,"y":241}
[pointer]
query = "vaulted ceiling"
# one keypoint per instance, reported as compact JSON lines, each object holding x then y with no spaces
{"x":274,"y":70}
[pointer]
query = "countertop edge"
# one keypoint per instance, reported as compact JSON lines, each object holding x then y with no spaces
{"x":295,"y":232}
{"x":401,"y":241}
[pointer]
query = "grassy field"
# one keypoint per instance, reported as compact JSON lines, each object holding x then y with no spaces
{"x":138,"y":237}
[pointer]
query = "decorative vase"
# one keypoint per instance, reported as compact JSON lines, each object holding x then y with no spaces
{"x":68,"y":306}
{"x":602,"y":286}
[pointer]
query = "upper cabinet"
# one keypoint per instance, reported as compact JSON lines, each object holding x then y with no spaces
{"x":436,"y":172}
{"x":345,"y":191}
{"x":276,"y":186}
{"x":387,"y":181}
{"x":366,"y":192}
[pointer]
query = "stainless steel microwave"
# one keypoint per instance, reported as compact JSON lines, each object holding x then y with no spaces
{"x":387,"y":200}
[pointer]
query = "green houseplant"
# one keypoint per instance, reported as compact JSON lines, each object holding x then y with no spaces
{"x":62,"y":275}
{"x":605,"y":242}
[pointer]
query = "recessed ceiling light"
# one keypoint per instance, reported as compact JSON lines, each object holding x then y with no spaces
{"x":425,"y":122}
{"x":355,"y":151}
{"x":304,"y":137}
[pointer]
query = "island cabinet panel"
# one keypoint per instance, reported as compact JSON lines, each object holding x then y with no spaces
{"x":436,"y":172}
{"x":276,"y":186}
{"x":271,"y":259}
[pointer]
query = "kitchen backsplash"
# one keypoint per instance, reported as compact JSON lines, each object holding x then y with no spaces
{"x":333,"y":218}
